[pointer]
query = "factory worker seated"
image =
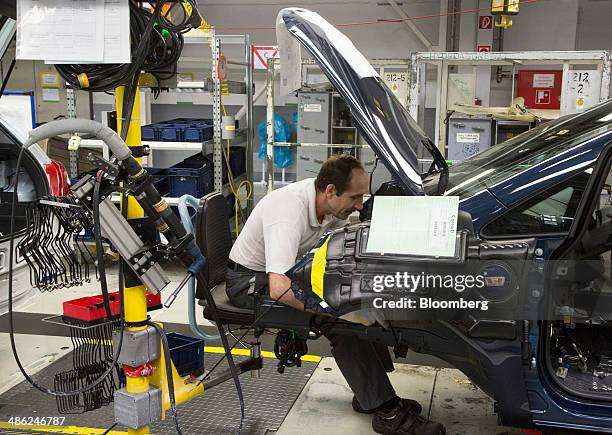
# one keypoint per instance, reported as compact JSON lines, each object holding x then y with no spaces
{"x":283,"y":226}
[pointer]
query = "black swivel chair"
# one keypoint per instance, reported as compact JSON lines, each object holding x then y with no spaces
{"x":214,"y":238}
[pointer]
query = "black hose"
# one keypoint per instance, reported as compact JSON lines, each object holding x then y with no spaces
{"x":10,"y":308}
{"x":8,"y":76}
{"x":99,"y":248}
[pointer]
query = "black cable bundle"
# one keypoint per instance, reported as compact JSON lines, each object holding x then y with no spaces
{"x":289,"y":349}
{"x":156,"y":45}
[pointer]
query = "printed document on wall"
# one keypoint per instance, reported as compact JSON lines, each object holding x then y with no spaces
{"x":117,"y":31}
{"x":414,"y":225}
{"x":61,"y":30}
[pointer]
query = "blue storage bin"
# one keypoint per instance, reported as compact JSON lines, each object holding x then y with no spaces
{"x":198,"y":133}
{"x":187,"y":353}
{"x":193,"y":176}
{"x":193,"y":134}
{"x":207,"y":131}
{"x":179,"y":130}
{"x":171,"y":132}
{"x":237,"y":162}
{"x":149,"y":132}
{"x":160,"y":180}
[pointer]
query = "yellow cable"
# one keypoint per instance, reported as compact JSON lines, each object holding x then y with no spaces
{"x":236,"y":199}
{"x":247,"y":182}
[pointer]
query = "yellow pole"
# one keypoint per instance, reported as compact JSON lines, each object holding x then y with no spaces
{"x":135,"y":300}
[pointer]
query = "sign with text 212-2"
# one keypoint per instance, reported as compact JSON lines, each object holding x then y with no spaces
{"x":261,"y":54}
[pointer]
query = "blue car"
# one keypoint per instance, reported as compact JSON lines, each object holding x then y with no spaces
{"x":535,"y":217}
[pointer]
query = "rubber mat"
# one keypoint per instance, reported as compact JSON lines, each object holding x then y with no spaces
{"x":267,"y":399}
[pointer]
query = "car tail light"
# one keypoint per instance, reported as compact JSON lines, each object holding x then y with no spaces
{"x":58,"y":178}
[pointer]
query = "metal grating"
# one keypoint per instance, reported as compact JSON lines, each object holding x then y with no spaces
{"x":268,"y":400}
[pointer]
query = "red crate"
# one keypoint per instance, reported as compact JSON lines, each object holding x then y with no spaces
{"x":91,"y":308}
{"x":153,"y":301}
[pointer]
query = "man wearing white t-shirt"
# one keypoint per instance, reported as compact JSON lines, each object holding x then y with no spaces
{"x":283,"y":226}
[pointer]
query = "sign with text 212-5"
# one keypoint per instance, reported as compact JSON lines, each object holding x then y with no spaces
{"x":261,"y":54}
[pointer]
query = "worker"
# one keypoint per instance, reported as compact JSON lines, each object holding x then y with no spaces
{"x":283,"y":226}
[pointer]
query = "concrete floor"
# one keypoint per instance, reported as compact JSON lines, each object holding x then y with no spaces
{"x":446,"y":395}
{"x":324,"y":405}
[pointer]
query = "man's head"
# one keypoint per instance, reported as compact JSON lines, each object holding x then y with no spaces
{"x":342,"y":182}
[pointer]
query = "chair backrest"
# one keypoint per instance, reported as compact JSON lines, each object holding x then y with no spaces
{"x":214,"y":238}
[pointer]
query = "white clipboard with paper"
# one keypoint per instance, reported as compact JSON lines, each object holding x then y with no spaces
{"x":414,"y":225}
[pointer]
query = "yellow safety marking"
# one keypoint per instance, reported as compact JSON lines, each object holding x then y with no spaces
{"x":160,"y":206}
{"x":264,"y":353}
{"x":75,"y":430}
{"x":97,"y":341}
{"x":318,"y":270}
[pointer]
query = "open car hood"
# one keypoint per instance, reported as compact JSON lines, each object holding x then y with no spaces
{"x":379,"y":116}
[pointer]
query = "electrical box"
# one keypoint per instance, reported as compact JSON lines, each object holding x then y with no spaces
{"x":505,"y":129}
{"x":468,"y":136}
{"x":541,"y":89}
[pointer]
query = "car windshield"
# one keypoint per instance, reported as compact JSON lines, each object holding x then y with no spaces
{"x":515,"y":155}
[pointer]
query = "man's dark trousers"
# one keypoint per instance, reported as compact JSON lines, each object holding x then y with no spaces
{"x":363,"y":364}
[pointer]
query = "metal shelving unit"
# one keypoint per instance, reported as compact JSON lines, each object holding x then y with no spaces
{"x":225,"y":189}
{"x":600,"y":61}
{"x":216,"y":145}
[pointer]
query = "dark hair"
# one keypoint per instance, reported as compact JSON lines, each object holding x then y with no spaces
{"x":337,"y":170}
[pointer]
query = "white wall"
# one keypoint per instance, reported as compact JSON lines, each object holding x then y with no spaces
{"x":546,"y":25}
{"x":26,"y":77}
{"x":594,"y":31}
{"x":389,"y":40}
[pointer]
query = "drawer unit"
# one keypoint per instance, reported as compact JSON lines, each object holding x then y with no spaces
{"x":309,"y":161}
{"x":313,"y":117}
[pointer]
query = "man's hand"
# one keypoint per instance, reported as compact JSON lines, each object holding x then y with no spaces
{"x":278,"y":285}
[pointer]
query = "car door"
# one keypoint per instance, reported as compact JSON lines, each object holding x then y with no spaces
{"x":568,"y":387}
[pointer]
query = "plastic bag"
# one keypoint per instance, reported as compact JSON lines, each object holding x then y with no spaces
{"x":282,"y":133}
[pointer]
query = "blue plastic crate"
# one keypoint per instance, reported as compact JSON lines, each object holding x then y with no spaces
{"x":193,"y":134}
{"x":160,"y":179}
{"x":187,"y":353}
{"x":237,"y":162}
{"x":192,"y":176}
{"x":198,"y":133}
{"x":150,"y":132}
{"x":171,"y":132}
